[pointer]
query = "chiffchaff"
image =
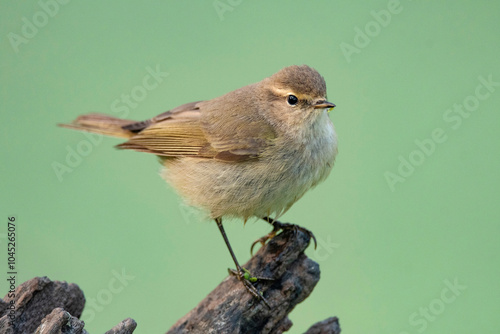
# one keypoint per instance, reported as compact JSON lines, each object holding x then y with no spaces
{"x":252,"y":152}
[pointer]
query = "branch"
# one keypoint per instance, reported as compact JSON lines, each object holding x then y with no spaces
{"x":44,"y":306}
{"x":230,"y":308}
{"x":328,"y":326}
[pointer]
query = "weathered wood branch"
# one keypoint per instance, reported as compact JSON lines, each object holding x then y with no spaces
{"x":229,"y":308}
{"x":44,"y":306}
{"x":327,"y":326}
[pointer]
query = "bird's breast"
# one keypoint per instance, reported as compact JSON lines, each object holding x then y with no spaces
{"x":266,"y":186}
{"x":302,"y":160}
{"x":310,"y":152}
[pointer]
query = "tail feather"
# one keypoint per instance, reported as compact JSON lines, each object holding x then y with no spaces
{"x":103,"y":124}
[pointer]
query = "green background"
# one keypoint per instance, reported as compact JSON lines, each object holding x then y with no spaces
{"x":385,"y":252}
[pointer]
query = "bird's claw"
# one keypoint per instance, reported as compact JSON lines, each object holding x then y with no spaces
{"x":277,"y":226}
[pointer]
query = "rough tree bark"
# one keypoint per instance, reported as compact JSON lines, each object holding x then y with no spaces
{"x":48,"y":307}
{"x":231,"y":309}
{"x":45,"y":306}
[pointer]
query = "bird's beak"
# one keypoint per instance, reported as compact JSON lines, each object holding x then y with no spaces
{"x":323,"y":104}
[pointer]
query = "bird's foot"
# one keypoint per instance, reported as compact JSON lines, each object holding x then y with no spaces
{"x":279,"y":226}
{"x":244,"y":276}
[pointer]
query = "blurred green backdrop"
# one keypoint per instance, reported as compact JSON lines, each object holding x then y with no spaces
{"x":408,"y":221}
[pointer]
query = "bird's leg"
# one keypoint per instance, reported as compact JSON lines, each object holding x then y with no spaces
{"x":241,"y":273}
{"x":278,"y":226}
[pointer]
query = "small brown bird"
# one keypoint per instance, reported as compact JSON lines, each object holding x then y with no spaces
{"x":252,"y":152}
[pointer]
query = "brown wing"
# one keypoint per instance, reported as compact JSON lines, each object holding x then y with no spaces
{"x":171,"y":138}
{"x":174,"y":133}
{"x":228,"y":128}
{"x":188,"y":110}
{"x":234,"y":124}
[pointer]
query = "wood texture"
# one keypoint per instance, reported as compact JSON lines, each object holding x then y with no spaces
{"x":43,"y":306}
{"x":229,"y":308}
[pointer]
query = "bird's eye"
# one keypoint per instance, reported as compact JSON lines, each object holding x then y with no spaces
{"x":292,"y":100}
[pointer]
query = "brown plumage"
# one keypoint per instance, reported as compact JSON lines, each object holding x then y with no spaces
{"x":249,"y":153}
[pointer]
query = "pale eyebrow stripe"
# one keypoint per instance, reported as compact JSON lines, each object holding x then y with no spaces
{"x":286,"y":92}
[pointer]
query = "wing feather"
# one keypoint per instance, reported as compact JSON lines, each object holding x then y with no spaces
{"x":206,"y":129}
{"x":171,"y":138}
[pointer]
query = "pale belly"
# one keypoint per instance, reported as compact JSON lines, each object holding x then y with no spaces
{"x":263,"y":187}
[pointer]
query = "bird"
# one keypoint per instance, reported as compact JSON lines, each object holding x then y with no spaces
{"x":252,"y":152}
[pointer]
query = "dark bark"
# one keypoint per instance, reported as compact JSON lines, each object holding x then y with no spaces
{"x":328,"y":326}
{"x":44,"y":306}
{"x":49,"y":307}
{"x":230,"y":308}
{"x":35,"y":299}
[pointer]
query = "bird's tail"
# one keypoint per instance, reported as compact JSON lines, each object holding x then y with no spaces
{"x":100,"y":123}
